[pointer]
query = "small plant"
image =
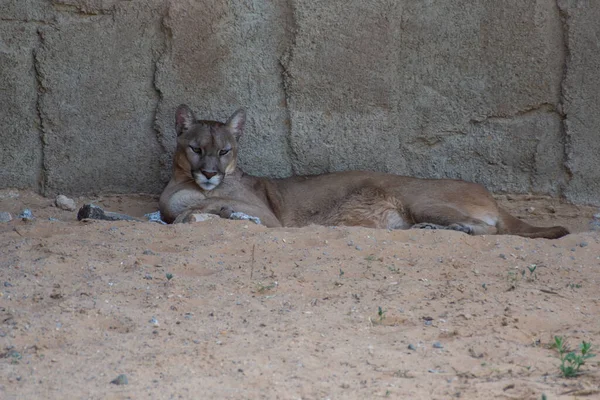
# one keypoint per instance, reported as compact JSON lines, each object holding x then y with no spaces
{"x":571,"y":361}
{"x":371,"y":257}
{"x":265,"y":288}
{"x":341,"y":272}
{"x":169,"y":276}
{"x":532,"y":274}
{"x":544,"y":397}
{"x":512,"y":278}
{"x":381,"y":312}
{"x":574,"y":286}
{"x":393,"y":269}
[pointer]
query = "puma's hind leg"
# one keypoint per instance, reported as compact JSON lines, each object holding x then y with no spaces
{"x":450,"y":218}
{"x":371,"y":208}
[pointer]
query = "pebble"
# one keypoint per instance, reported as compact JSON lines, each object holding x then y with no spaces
{"x":65,"y":203}
{"x":7,"y":284}
{"x":154,"y":321}
{"x":438,"y":345}
{"x":358,"y":248}
{"x":5,"y":216}
{"x":155,"y":217}
{"x":502,"y":256}
{"x":412,"y":347}
{"x":583,"y":244}
{"x":26,"y":214}
{"x":120,"y":380}
{"x":244,"y":217}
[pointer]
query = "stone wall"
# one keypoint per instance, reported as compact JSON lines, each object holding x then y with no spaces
{"x":502,"y":93}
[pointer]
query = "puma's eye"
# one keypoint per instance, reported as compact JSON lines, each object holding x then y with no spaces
{"x":197,"y":150}
{"x":224,"y":151}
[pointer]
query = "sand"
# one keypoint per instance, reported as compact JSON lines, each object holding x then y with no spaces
{"x":291,"y":313}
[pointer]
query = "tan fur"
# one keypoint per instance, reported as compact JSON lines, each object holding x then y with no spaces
{"x":353,"y":198}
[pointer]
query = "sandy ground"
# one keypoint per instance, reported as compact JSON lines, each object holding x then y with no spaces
{"x":311,"y":313}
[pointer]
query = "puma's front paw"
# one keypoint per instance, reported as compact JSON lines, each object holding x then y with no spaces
{"x":425,"y":225}
{"x":184,"y":217}
{"x":461,"y":228}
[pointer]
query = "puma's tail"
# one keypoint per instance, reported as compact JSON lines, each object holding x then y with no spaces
{"x":510,"y":225}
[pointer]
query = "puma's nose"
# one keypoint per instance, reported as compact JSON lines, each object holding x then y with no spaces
{"x":208,"y":175}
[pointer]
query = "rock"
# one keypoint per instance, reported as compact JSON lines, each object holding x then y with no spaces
{"x":155,"y":217}
{"x":438,"y":345}
{"x":244,"y":217}
{"x":26,"y":215}
{"x":412,"y":347}
{"x":120,"y":380}
{"x":5,"y":217}
{"x":65,"y":203}
{"x":91,"y":211}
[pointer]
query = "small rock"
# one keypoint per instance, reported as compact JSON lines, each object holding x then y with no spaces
{"x":583,"y":244}
{"x":148,"y":276}
{"x":154,"y":321}
{"x":244,"y":217}
{"x":155,"y":217}
{"x":350,"y":243}
{"x":412,"y":347}
{"x":26,"y":215}
{"x":502,"y":256}
{"x":7,"y":284}
{"x":65,"y":203}
{"x":438,"y":345}
{"x":358,"y":248}
{"x":120,"y":380}
{"x":5,"y":216}
{"x":149,"y":253}
{"x":596,"y":216}
{"x":53,"y":219}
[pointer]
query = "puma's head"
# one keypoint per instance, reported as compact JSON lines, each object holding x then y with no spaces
{"x":207,"y":150}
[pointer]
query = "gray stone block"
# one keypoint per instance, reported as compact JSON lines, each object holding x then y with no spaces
{"x":392,"y":85}
{"x":582,"y":99}
{"x":20,"y":135}
{"x":97,"y":73}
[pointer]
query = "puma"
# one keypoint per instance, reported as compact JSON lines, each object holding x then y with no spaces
{"x":206,"y":179}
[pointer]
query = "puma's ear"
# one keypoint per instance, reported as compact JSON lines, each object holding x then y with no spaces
{"x":184,"y":119}
{"x":236,"y":122}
